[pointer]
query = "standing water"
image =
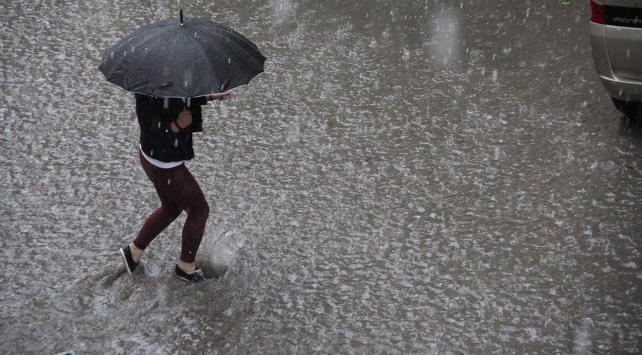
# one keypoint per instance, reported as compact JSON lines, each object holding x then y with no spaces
{"x":405,"y":178}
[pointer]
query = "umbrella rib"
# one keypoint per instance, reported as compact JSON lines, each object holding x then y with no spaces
{"x":127,"y":42}
{"x":214,"y":33}
{"x":231,"y":31}
{"x":174,"y":43}
{"x":144,"y":57}
{"x":158,"y":39}
{"x":237,"y":36}
{"x":249,"y":53}
{"x":235,"y":49}
{"x":202,"y":50}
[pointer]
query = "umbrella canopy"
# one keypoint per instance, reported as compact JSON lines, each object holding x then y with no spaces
{"x":182,"y":58}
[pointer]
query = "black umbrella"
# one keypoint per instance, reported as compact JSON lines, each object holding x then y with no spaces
{"x":176,"y":58}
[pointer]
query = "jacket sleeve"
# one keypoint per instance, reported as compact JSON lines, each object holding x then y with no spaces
{"x":202,"y":100}
{"x":197,"y":114}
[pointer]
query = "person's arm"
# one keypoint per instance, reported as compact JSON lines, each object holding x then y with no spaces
{"x":221,"y":96}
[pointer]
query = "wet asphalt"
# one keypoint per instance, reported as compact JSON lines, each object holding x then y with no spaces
{"x":431,"y":177}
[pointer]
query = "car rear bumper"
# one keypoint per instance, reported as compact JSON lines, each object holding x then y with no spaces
{"x":621,"y":89}
{"x":618,"y":87}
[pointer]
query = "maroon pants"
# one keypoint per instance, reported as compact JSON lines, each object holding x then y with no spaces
{"x":178,"y":191}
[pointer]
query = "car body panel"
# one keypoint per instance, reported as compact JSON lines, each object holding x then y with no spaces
{"x":624,"y":47}
{"x":617,"y":48}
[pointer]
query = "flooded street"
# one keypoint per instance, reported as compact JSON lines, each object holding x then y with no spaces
{"x":406,"y":177}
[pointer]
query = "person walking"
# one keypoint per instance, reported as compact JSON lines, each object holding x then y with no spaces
{"x":166,"y":127}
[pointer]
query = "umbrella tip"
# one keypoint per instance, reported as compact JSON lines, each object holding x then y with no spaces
{"x":181,"y":14}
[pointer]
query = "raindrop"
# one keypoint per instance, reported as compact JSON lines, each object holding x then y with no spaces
{"x":185,"y":83}
{"x":406,"y":54}
{"x":112,"y":55}
{"x":169,"y":181}
{"x":176,"y":142}
{"x":495,"y":76}
{"x":528,"y":12}
{"x":229,"y":60}
{"x":483,"y":71}
{"x":628,"y":52}
{"x":166,"y":103}
{"x":132,"y":49}
{"x":559,"y":81}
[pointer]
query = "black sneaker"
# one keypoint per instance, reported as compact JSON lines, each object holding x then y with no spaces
{"x":195,"y":277}
{"x":129,"y":262}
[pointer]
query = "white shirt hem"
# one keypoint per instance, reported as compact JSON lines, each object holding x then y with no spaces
{"x":161,"y":164}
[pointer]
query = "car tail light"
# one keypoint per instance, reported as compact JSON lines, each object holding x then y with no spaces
{"x":598,"y":15}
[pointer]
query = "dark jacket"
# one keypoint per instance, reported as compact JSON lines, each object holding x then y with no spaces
{"x":157,"y":140}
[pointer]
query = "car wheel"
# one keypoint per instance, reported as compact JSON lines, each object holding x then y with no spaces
{"x":629,"y":108}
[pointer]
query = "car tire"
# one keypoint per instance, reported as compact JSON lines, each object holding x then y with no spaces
{"x":629,"y":108}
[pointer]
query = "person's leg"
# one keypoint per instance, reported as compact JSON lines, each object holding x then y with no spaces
{"x":188,"y":195}
{"x":153,"y":226}
{"x":163,"y":216}
{"x":178,"y":191}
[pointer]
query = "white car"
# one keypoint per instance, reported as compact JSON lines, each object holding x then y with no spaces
{"x":616,"y":43}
